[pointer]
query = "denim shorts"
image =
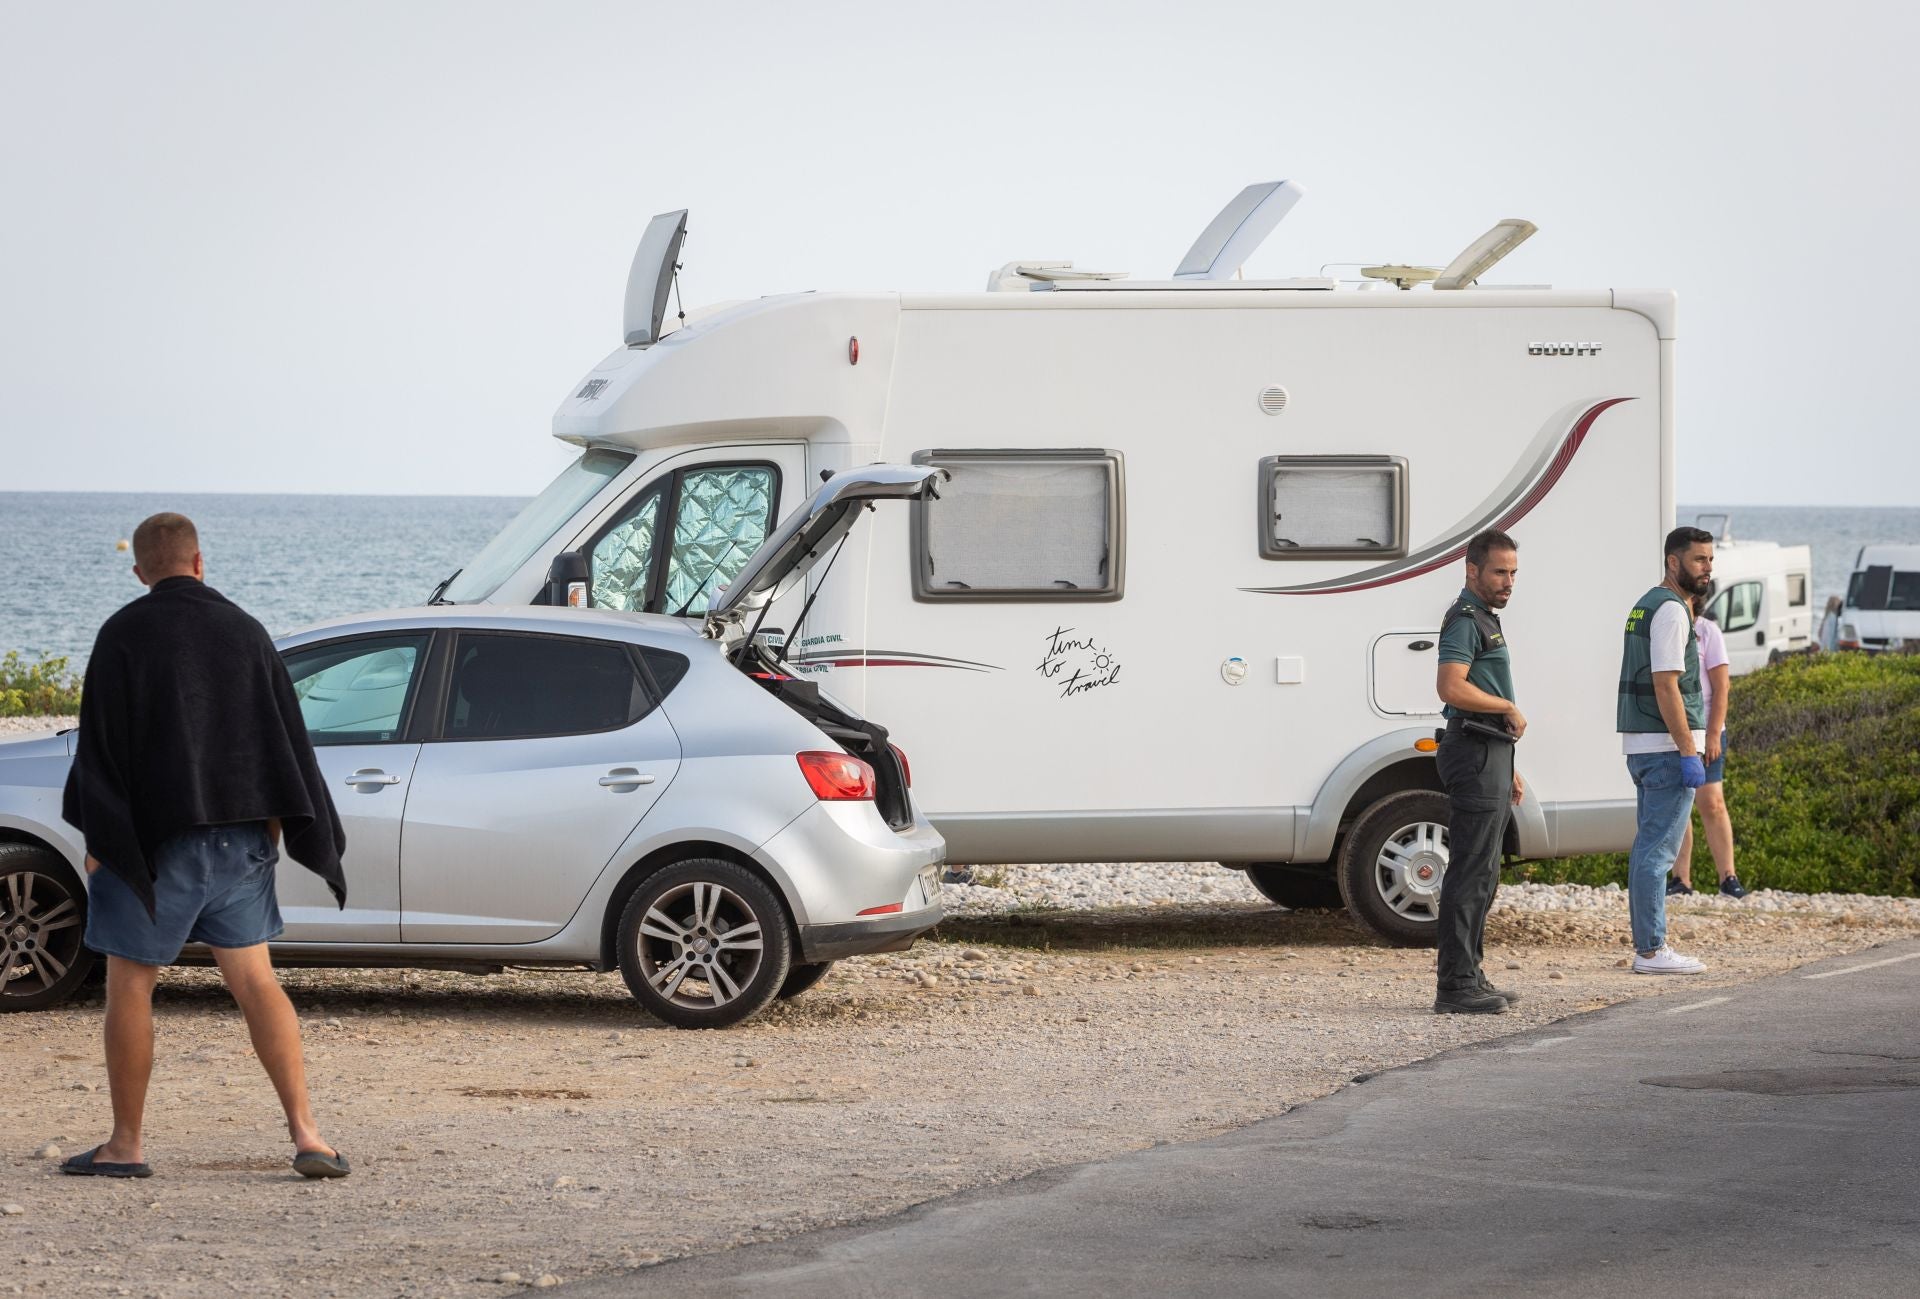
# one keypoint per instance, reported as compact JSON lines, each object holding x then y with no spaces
{"x":214,"y":886}
{"x":1717,"y":769}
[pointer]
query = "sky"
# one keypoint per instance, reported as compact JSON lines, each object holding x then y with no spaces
{"x":369,"y":247}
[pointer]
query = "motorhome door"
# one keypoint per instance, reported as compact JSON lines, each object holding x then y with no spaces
{"x":683,"y":533}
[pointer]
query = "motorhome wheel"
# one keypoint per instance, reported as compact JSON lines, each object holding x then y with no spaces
{"x":704,"y":944}
{"x":1393,"y":864}
{"x":43,"y":913}
{"x":1297,"y":888}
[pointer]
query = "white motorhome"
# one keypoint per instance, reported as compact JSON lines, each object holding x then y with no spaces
{"x":1180,"y":597}
{"x":1761,"y":599}
{"x":1882,"y":606}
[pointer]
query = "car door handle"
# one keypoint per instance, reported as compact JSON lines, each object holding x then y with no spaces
{"x":371,"y":776}
{"x":621,"y":777}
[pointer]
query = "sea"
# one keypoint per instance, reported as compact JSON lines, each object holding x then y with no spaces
{"x":294,"y":560}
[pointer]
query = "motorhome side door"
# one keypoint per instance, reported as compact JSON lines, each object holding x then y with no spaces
{"x":680,"y":536}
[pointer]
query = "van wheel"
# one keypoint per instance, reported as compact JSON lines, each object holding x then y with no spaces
{"x":802,"y":977}
{"x":43,"y":913}
{"x":704,"y":944}
{"x":1297,"y":888}
{"x":1393,"y":864}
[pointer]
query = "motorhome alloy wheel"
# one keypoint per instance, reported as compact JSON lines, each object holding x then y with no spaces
{"x":42,"y":918}
{"x":704,"y":944}
{"x":1393,"y":864}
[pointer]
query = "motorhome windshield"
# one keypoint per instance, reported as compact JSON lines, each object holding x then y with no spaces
{"x":500,"y":558}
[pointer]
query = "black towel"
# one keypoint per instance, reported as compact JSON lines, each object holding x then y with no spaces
{"x":188,"y":718}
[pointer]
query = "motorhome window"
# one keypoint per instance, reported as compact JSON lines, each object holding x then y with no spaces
{"x":1742,"y":608}
{"x":1333,"y":507}
{"x":1871,"y":589}
{"x":1021,"y":525}
{"x":507,"y":686}
{"x":357,"y":691}
{"x":1797,"y":590}
{"x":621,"y":563}
{"x":535,"y":525}
{"x":720,"y":516}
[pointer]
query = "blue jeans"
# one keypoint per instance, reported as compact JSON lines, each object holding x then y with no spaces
{"x":1664,"y":808}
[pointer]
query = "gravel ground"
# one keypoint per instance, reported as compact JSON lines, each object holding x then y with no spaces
{"x":535,"y":1125}
{"x":19,"y":728}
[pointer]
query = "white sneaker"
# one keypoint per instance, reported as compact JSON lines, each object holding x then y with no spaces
{"x":1666,"y":961}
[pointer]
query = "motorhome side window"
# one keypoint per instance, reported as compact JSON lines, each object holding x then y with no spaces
{"x":1333,"y":507}
{"x":1021,"y":525}
{"x":679,"y":543}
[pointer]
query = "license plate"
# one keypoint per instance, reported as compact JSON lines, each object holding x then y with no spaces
{"x":930,"y":882}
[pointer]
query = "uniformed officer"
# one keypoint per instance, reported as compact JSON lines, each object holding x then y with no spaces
{"x":1476,"y":768}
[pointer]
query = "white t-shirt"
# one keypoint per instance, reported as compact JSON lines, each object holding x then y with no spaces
{"x":1713,"y":654}
{"x":1668,"y":642}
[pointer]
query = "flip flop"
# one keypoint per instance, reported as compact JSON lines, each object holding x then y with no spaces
{"x":88,"y":1166}
{"x":318,"y":1163}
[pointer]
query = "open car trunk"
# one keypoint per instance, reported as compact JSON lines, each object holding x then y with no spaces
{"x":863,"y":739}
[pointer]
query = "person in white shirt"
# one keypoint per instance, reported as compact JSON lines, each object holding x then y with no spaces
{"x":1662,"y":721}
{"x":1711,"y":799}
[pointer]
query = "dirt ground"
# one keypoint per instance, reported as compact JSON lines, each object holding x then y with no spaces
{"x":530,"y":1128}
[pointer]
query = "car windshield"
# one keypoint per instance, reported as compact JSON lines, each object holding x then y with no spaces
{"x":534,"y":526}
{"x":1906,"y":591}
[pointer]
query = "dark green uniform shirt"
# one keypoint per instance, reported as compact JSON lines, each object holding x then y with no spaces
{"x":1471,"y":634}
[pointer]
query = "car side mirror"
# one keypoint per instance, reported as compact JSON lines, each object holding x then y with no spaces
{"x":567,"y":580}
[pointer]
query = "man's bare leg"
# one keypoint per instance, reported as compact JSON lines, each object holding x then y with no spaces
{"x":275,"y":1031}
{"x":1712,"y":800}
{"x":129,"y":1043}
{"x":1683,"y":860}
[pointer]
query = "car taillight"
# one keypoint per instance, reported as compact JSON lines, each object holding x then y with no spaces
{"x":905,"y":769}
{"x":837,"y":777}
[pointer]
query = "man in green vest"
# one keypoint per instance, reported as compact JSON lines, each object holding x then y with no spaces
{"x":1662,"y":725}
{"x":1475,"y":761}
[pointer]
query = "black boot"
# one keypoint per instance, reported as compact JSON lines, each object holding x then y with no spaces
{"x":1507,"y":995}
{"x":1468,"y":1001}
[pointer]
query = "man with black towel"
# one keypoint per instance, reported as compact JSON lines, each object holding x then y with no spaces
{"x":192,"y":759}
{"x":1476,"y":768}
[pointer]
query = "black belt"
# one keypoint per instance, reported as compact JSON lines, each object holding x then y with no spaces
{"x":1484,"y":725}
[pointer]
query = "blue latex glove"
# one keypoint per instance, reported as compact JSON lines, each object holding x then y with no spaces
{"x":1693,"y":771}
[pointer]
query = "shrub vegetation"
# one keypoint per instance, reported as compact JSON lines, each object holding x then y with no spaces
{"x":38,"y":689}
{"x":1823,"y":781}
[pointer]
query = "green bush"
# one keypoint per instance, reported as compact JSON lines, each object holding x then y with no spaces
{"x":41,"y":689}
{"x":1823,"y":781}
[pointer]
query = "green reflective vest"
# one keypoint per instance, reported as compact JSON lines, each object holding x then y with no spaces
{"x":1639,"y":709}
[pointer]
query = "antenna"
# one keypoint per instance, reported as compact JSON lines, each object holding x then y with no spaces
{"x":1242,"y":226}
{"x":654,"y":263}
{"x":1482,"y":254}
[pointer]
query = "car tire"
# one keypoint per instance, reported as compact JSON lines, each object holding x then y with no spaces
{"x":43,"y":916}
{"x":675,"y":954}
{"x":1296,"y":888}
{"x":1392,"y":867}
{"x":802,"y":977}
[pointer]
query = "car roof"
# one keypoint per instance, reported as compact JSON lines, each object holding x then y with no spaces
{"x":606,"y":624}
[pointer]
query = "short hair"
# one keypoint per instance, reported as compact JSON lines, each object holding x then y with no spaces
{"x":1485,"y":543}
{"x":1680,"y":540}
{"x":165,"y":542}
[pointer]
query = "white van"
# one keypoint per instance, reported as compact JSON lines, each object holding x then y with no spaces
{"x":1882,"y":606}
{"x":1762,"y":599}
{"x":1180,"y":598}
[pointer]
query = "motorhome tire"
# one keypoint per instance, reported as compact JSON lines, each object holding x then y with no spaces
{"x":43,"y":914}
{"x":704,"y":943}
{"x":1297,"y":888}
{"x":802,"y":977}
{"x":1392,"y":865}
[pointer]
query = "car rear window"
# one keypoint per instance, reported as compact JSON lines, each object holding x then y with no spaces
{"x":507,"y":686}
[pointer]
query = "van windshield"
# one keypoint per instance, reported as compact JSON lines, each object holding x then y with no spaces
{"x":535,"y":525}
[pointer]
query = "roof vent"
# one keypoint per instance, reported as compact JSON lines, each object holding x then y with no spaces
{"x":1273,"y":399}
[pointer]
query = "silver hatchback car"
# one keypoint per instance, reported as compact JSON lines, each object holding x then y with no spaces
{"x":567,"y":788}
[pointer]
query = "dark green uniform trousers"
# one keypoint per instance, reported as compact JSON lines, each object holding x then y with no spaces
{"x":1477,"y":774}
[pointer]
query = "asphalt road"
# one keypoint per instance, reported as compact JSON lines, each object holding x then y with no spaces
{"x":1762,"y":1140}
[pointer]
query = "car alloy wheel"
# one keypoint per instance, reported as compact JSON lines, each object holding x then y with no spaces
{"x":704,"y":944}
{"x":43,"y":915}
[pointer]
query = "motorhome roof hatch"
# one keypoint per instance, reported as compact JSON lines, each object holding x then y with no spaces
{"x":654,"y":263}
{"x":1480,"y":256}
{"x":1224,"y":246}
